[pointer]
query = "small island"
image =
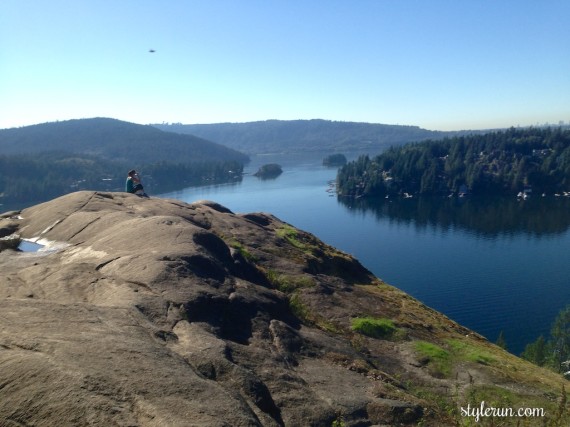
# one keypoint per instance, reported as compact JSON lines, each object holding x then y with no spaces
{"x":269,"y":171}
{"x":335,"y":160}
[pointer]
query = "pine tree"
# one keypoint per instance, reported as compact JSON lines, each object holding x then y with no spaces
{"x":501,"y":342}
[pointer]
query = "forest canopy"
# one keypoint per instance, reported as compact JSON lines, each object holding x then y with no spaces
{"x":502,"y":162}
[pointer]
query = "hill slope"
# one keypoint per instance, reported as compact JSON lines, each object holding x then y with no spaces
{"x":155,"y":312}
{"x":47,"y":160}
{"x":113,"y":139}
{"x":288,"y":136}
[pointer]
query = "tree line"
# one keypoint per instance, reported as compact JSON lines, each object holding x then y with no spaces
{"x":33,"y":178}
{"x":499,"y":162}
{"x":553,"y":351}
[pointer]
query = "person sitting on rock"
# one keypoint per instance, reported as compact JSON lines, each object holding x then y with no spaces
{"x":134,"y":184}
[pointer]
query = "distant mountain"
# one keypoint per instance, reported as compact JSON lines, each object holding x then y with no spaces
{"x":114,"y":139}
{"x":277,"y":136}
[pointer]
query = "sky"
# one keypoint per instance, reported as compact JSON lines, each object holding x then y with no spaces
{"x":437,"y":64}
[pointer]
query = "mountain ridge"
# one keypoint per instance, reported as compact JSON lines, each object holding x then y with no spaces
{"x":277,"y":136}
{"x":113,"y":139}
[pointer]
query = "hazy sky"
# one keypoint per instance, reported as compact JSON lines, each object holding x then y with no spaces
{"x":438,"y":64}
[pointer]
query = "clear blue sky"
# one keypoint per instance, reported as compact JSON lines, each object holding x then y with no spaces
{"x":438,"y":64}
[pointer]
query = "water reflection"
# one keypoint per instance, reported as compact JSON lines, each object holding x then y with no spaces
{"x":486,"y":216}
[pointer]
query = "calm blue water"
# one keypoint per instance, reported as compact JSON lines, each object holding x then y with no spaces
{"x":491,"y":265}
{"x":27,"y":246}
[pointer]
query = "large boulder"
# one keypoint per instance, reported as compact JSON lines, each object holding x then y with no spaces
{"x":153,"y":312}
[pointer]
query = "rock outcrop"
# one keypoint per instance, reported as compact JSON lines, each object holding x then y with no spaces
{"x":153,"y":312}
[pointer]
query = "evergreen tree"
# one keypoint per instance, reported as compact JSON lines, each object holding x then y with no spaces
{"x":537,"y":352}
{"x":560,"y":334}
{"x":501,"y":342}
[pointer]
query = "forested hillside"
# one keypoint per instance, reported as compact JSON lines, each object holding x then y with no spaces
{"x":32,"y":178}
{"x":287,"y":136}
{"x":494,"y":163}
{"x":44,"y":161}
{"x":113,"y":139}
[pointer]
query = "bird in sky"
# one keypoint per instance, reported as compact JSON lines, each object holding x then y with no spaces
{"x":152,"y":50}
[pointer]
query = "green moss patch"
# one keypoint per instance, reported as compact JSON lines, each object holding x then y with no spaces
{"x":373,"y":327}
{"x":471,"y":353}
{"x":243,"y":251}
{"x":291,"y":235}
{"x":296,"y":239}
{"x":438,"y":359}
{"x":286,"y":283}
